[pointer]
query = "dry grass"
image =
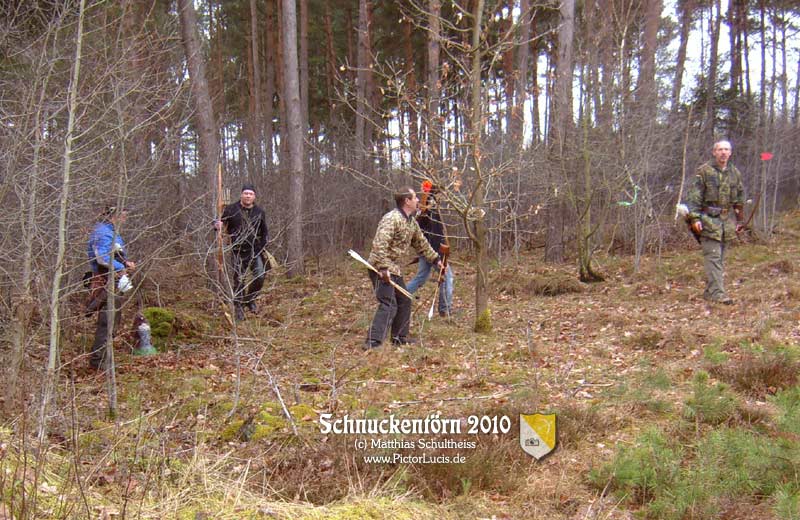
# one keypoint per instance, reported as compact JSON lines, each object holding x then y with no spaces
{"x":759,"y":374}
{"x":514,"y":283}
{"x":780,"y":267}
{"x":644,"y":334}
{"x":647,"y":339}
{"x":491,"y":467}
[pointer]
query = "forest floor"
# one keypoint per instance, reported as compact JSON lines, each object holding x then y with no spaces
{"x":667,"y":406}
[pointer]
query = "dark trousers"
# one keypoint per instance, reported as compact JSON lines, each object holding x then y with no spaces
{"x":97,"y":358}
{"x":242,"y":261}
{"x":394,"y":310}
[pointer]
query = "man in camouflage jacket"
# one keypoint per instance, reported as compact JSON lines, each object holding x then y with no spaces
{"x":715,"y":196}
{"x":396,"y":231}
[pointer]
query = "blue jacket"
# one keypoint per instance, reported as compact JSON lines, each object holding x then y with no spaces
{"x":102,"y":242}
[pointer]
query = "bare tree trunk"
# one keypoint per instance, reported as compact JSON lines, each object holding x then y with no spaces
{"x":583,"y":206}
{"x":304,"y":101}
{"x":713,"y":61}
{"x":330,"y":60}
{"x":247,"y":142}
{"x":795,"y":118}
{"x":433,"y":86}
{"x":269,"y":82}
{"x":483,"y":321}
{"x":58,"y":270}
{"x":23,"y":305}
{"x":521,"y":87}
{"x":216,"y":78}
{"x":352,"y":51}
{"x":534,"y":61}
{"x":204,"y":111}
{"x":562,"y":96}
{"x":509,"y":83}
{"x":732,"y":28}
{"x":110,"y":363}
{"x":647,"y":95}
{"x":784,"y":70}
{"x":738,"y":24}
{"x":362,"y":99}
{"x":283,"y":153}
{"x":609,"y":65}
{"x":762,"y":97}
{"x":746,"y":45}
{"x":686,"y":10}
{"x":773,"y":78}
{"x":256,"y":123}
{"x":294,"y":113}
{"x":411,"y":93}
{"x":561,"y":115}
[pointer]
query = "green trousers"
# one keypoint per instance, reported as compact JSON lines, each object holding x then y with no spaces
{"x":714,"y":264}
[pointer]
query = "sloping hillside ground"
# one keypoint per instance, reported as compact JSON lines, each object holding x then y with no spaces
{"x":667,"y":407}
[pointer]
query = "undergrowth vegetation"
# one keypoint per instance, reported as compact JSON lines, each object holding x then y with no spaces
{"x":669,"y":479}
{"x":667,"y":407}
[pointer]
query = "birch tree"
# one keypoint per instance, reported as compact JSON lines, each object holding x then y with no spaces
{"x":58,"y":271}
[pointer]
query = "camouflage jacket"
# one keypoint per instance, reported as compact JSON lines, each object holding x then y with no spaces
{"x":718,"y":191}
{"x":395,"y":233}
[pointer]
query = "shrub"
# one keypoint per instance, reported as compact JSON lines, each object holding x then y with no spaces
{"x":576,"y":423}
{"x":726,"y":471}
{"x":711,"y":404}
{"x":759,"y":373}
{"x":788,"y":403}
{"x":787,"y":502}
{"x":161,"y":323}
{"x":648,"y":339}
{"x":641,"y":471}
{"x":554,"y":285}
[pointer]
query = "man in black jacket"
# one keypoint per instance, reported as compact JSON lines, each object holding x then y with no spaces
{"x":432,"y":226}
{"x":246,"y":224}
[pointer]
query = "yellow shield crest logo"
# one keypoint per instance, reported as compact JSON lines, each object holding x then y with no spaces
{"x":537,"y":434}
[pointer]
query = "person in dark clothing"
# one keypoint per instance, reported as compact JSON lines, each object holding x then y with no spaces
{"x":107,"y":254}
{"x":432,"y":226}
{"x":246,"y":224}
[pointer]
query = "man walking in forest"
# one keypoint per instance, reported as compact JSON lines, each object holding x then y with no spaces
{"x":432,"y":226}
{"x":396,"y":231}
{"x":715,"y":193}
{"x":246,"y":224}
{"x":107,"y":254}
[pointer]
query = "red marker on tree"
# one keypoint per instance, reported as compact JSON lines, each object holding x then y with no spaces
{"x":766,"y":156}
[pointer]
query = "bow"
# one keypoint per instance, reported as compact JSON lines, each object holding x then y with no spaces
{"x":391,"y":282}
{"x":220,"y":205}
{"x":444,"y":253}
{"x":746,"y":224}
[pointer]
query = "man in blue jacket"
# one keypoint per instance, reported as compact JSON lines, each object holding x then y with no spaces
{"x":107,"y":254}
